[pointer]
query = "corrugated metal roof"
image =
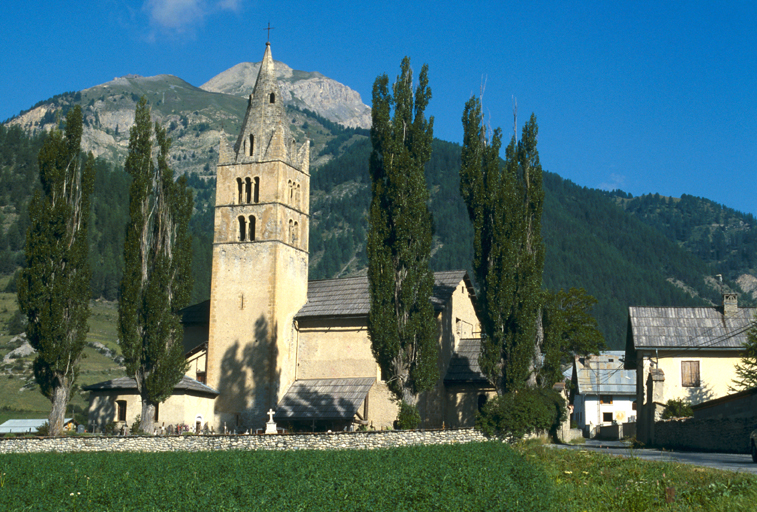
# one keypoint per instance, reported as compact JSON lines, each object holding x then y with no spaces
{"x":608,"y":368}
{"x":25,"y":425}
{"x":350,"y":296}
{"x":463,"y":366}
{"x":324,"y":399}
{"x":689,"y":328}
{"x":127,"y":383}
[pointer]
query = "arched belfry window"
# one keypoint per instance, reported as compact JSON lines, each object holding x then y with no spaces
{"x":242,"y":228}
{"x":290,"y":188}
{"x":291,"y":231}
{"x":256,"y":189}
{"x":251,"y":229}
{"x":296,"y":232}
{"x":297,"y":197}
{"x":239,"y":187}
{"x":247,"y":190}
{"x":252,"y":143}
{"x":272,"y":98}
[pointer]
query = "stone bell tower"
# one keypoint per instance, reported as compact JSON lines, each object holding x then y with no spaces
{"x":260,"y":258}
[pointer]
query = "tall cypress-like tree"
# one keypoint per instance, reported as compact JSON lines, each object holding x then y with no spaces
{"x":505,"y":205}
{"x":746,"y":370}
{"x":157,"y":279}
{"x":53,"y":289}
{"x":401,"y":322}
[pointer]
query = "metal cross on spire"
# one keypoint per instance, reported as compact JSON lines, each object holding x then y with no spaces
{"x":269,"y":28}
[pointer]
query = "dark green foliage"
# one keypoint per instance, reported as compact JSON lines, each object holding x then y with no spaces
{"x":53,"y":290}
{"x":157,"y":279}
{"x":16,"y":324}
{"x":401,"y":322}
{"x":475,"y":476}
{"x":746,"y":370}
{"x":569,"y":330}
{"x":516,"y":414}
{"x":677,"y":408}
{"x":408,"y":418}
{"x":504,"y":204}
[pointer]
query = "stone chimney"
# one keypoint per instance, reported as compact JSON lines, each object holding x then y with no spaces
{"x":730,"y":304}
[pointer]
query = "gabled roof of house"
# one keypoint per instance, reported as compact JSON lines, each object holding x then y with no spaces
{"x":129,"y":384}
{"x":463,"y":365}
{"x":687,"y":328}
{"x":350,"y":296}
{"x":604,"y":374}
{"x":25,"y":425}
{"x":324,"y":399}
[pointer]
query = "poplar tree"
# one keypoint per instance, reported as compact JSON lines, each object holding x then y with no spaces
{"x":157,"y":279}
{"x":504,"y":202}
{"x":746,"y":370}
{"x":401,"y":322}
{"x":53,"y":288}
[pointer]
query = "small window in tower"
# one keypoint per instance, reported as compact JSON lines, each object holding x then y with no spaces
{"x":239,"y":187}
{"x":252,"y":143}
{"x":242,"y":228}
{"x":291,"y":231}
{"x":256,"y":189}
{"x":272,"y":98}
{"x":247,"y":190}
{"x":295,"y":234}
{"x":291,"y":192}
{"x":251,"y":228}
{"x":297,"y":196}
{"x":155,"y":418}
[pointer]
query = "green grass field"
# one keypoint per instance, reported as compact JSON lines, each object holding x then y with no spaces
{"x":477,"y":476}
{"x":20,"y":396}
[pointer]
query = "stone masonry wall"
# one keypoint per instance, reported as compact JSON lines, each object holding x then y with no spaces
{"x":723,"y":435}
{"x":333,"y":441}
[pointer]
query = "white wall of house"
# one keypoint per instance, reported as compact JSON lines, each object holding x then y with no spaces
{"x":589,"y":413}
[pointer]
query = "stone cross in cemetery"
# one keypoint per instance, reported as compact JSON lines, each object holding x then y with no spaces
{"x":270,"y":426}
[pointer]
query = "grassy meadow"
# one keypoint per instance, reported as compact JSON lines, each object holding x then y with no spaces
{"x":19,"y":394}
{"x":477,"y":476}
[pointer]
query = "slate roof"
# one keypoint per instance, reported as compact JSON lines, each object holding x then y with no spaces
{"x":350,"y":297}
{"x":324,"y":399}
{"x":463,"y":366}
{"x":688,"y":328}
{"x":196,"y":313}
{"x":128,"y":384}
{"x":608,"y":367}
{"x":25,"y":425}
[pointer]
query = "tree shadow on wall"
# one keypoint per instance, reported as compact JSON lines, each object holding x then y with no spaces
{"x":701,"y":394}
{"x":250,"y":377}
{"x":306,"y":408}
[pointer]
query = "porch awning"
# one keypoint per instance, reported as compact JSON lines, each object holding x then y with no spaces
{"x":324,"y":399}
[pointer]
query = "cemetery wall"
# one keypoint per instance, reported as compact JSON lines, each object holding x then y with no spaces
{"x":729,"y":435}
{"x":320,"y":441}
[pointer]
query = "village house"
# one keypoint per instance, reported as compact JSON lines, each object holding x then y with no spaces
{"x":684,"y":353}
{"x":603,"y":392}
{"x":270,"y":340}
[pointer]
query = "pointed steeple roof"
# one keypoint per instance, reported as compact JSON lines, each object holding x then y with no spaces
{"x":265,"y":133}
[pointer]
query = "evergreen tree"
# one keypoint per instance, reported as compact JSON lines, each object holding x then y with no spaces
{"x":569,"y":330}
{"x":157,"y":279}
{"x":53,"y":290}
{"x":746,"y":370}
{"x":505,"y":204}
{"x":401,"y":322}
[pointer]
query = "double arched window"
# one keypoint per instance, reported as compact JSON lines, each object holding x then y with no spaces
{"x":246,"y":228}
{"x":294,"y":232}
{"x":293,"y":197}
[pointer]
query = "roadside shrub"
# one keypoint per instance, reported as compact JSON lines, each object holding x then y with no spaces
{"x":408,"y":417}
{"x":519,"y":413}
{"x":677,"y":409}
{"x":43,"y":430}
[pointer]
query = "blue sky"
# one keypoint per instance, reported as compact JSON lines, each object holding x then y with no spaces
{"x":642,"y":96}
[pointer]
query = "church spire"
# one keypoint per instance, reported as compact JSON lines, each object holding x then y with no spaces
{"x":265,"y":133}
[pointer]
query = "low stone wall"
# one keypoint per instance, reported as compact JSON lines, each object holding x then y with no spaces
{"x":333,"y":441}
{"x":711,"y":435}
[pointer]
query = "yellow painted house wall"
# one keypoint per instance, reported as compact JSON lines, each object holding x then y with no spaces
{"x":717,"y":369}
{"x":178,"y":408}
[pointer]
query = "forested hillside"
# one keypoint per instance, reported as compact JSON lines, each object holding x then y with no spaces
{"x":624,"y":251}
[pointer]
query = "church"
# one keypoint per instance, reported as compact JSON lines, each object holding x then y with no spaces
{"x":270,"y":340}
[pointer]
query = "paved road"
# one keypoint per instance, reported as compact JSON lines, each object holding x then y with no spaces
{"x":725,"y":461}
